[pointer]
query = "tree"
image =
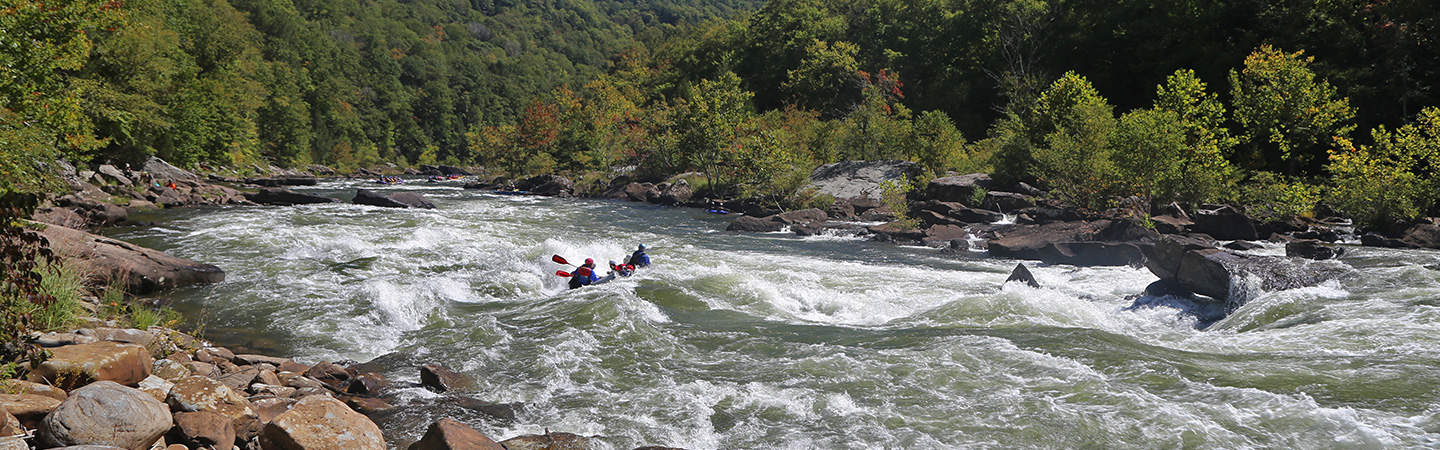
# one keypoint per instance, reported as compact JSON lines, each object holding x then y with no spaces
{"x":1204,"y":173}
{"x":1393,"y":181}
{"x":827,"y":79}
{"x":1150,"y":152}
{"x":937,"y":145}
{"x":1077,"y":125}
{"x":1288,"y":115}
{"x":709,"y":122}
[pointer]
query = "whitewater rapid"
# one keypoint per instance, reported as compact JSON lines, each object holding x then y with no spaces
{"x":772,"y":341}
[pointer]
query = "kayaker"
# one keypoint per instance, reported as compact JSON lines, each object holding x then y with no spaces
{"x":623,"y":270}
{"x":639,"y":258}
{"x":585,"y":275}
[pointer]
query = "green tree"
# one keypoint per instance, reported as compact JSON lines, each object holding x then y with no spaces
{"x":1204,"y":173}
{"x":937,"y":145}
{"x":1077,"y":125}
{"x":826,"y":80}
{"x":1288,"y":115}
{"x":1393,"y":181}
{"x":709,"y":123}
{"x":1150,"y":151}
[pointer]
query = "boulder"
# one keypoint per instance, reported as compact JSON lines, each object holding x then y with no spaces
{"x":1096,"y":243}
{"x":330,"y":374}
{"x":1312,"y":249}
{"x":804,"y":216}
{"x":269,"y":408}
{"x":145,"y":270}
{"x":959,"y":189}
{"x":239,"y":380}
{"x":641,"y":192}
{"x":551,"y":185}
{"x":396,"y":200}
{"x":449,"y":434}
{"x":368,"y":405}
{"x":959,"y":212}
{"x":548,"y":441}
{"x":203,"y":429}
{"x":1377,"y":240}
{"x":286,"y":197}
{"x":113,"y":174}
{"x":260,"y":359}
{"x":1225,"y":223}
{"x":155,"y":386}
{"x":28,"y":408}
{"x":676,"y":194}
{"x":288,"y":180}
{"x":1021,"y":274}
{"x":106,"y":413}
{"x":320,"y":422}
{"x":198,"y":393}
{"x":29,"y":387}
{"x":367,"y":384}
{"x":755,"y":224}
{"x":859,"y":179}
{"x":1423,"y":235}
{"x":73,"y":366}
{"x":1007,"y":201}
{"x":9,"y":427}
{"x":504,"y":412}
{"x":441,"y":379}
{"x":1195,"y":266}
{"x":1243,"y":245}
{"x":161,"y":170}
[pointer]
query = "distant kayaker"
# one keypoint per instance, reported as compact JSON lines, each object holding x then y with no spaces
{"x":639,"y":258}
{"x":585,"y":275}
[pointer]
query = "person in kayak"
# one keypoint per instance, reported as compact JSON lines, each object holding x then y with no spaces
{"x":639,"y":258}
{"x":585,"y":275}
{"x":623,"y":270}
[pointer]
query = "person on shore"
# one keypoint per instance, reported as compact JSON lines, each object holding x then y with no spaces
{"x":585,"y":275}
{"x":639,"y":258}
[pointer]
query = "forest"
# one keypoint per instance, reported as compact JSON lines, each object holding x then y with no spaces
{"x":1286,"y":107}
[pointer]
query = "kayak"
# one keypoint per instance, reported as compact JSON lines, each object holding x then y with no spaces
{"x":717,"y":211}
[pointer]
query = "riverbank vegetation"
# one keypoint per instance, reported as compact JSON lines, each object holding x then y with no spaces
{"x":1261,"y":105}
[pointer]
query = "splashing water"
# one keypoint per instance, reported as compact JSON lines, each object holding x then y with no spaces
{"x":771,"y":341}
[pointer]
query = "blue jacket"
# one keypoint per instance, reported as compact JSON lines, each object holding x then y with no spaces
{"x":639,"y":259}
{"x":579,"y":279}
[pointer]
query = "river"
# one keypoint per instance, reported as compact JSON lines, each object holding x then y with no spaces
{"x":773,"y":341}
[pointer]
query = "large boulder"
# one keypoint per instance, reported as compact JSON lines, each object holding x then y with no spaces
{"x":321,"y":422}
{"x":112,"y":173}
{"x":547,"y":441}
{"x":286,"y":197}
{"x":641,"y":192}
{"x":551,"y":185}
{"x":395,"y":200}
{"x":959,"y":189}
{"x":677,"y":193}
{"x":1007,"y":201}
{"x":73,"y":366}
{"x":959,"y":212}
{"x":29,"y":409}
{"x":106,"y":413}
{"x":203,"y":429}
{"x":859,"y":179}
{"x":755,"y":224}
{"x":146,"y":270}
{"x":1096,"y":243}
{"x":449,"y":434}
{"x":198,"y":393}
{"x":286,"y":180}
{"x":441,"y":379}
{"x":1312,"y":249}
{"x":1225,"y":223}
{"x":1193,"y":264}
{"x":161,"y":170}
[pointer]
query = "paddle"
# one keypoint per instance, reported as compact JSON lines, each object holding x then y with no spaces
{"x":562,"y":273}
{"x":560,"y":260}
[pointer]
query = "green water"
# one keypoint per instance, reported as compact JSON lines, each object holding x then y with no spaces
{"x":772,"y":341}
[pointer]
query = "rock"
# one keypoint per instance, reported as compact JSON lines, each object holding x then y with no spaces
{"x":319,"y":422}
{"x":240,"y":379}
{"x":959,"y":189}
{"x":114,"y":174}
{"x":890,"y":232}
{"x":396,"y":200}
{"x":1007,"y":201}
{"x":268,"y":377}
{"x":1376,"y":240}
{"x":122,"y":335}
{"x":449,"y":434}
{"x":960,"y":212}
{"x":291,"y":180}
{"x":204,"y":394}
{"x":73,"y":366}
{"x":551,"y":185}
{"x":333,"y":375}
{"x":441,"y":379}
{"x":291,"y":366}
{"x":368,"y":405}
{"x":641,"y":192}
{"x":841,"y":210}
{"x":1022,"y":275}
{"x":1097,"y":243}
{"x":286,"y":197}
{"x":203,"y":369}
{"x":64,"y":217}
{"x":547,"y":441}
{"x":10,"y":426}
{"x":161,"y":170}
{"x":367,"y":384}
{"x":1423,"y":235}
{"x":303,"y":382}
{"x":504,"y":412}
{"x":169,"y":369}
{"x":859,"y":179}
{"x":106,"y":413}
{"x":64,"y":339}
{"x":267,"y":409}
{"x":1163,"y":288}
{"x":28,"y":408}
{"x":261,"y":359}
{"x":1195,"y":266}
{"x":157,"y":387}
{"x":204,"y":428}
{"x":804,"y":216}
{"x":755,"y":224}
{"x":1225,"y":223}
{"x":214,"y":355}
{"x":1319,"y":234}
{"x":146,"y":270}
{"x":676,"y":194}
{"x":28,"y":387}
{"x":1312,"y":249}
{"x":262,"y":389}
{"x":1171,"y":224}
{"x":1243,"y":245}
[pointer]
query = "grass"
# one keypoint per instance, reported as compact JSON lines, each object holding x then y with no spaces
{"x":63,"y":282}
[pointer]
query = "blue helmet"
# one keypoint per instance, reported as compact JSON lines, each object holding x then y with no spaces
{"x":642,"y":247}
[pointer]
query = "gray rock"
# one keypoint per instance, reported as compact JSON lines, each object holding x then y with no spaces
{"x":161,"y":170}
{"x":676,"y":194}
{"x":1312,"y":249}
{"x":1007,"y":201}
{"x":286,"y":197}
{"x":396,"y":200}
{"x":147,"y":270}
{"x":114,"y":174}
{"x":859,"y":179}
{"x":959,"y":188}
{"x":1097,"y":243}
{"x":106,"y":413}
{"x":1224,"y":223}
{"x":1021,"y":274}
{"x":755,"y":224}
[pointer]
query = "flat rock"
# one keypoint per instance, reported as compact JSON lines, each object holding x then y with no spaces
{"x":449,"y":434}
{"x":106,"y":413}
{"x":320,"y":422}
{"x":78,"y":365}
{"x":286,"y":197}
{"x":204,"y":394}
{"x":169,"y":369}
{"x":30,"y":387}
{"x":441,"y":379}
{"x":395,"y":200}
{"x":755,"y":224}
{"x":204,"y":428}
{"x":260,"y":359}
{"x":269,"y":408}
{"x":548,"y":441}
{"x":123,"y":335}
{"x":1095,"y":243}
{"x":28,"y":408}
{"x":145,"y":269}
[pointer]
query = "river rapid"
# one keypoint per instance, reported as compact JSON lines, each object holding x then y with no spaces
{"x":773,"y":341}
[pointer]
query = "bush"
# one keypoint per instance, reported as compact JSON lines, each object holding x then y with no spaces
{"x":894,"y":197}
{"x":1393,"y":181}
{"x":1078,"y":125}
{"x":1270,"y":196}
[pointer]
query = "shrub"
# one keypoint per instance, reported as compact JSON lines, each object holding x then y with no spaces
{"x":1287,"y":114}
{"x":1270,"y":196}
{"x":1393,"y":181}
{"x":1077,"y":124}
{"x":894,"y":197}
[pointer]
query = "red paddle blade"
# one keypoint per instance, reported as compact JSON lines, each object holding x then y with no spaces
{"x":562,"y":273}
{"x":560,"y":260}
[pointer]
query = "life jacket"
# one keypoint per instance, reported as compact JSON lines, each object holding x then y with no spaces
{"x":582,"y":277}
{"x":639,"y":259}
